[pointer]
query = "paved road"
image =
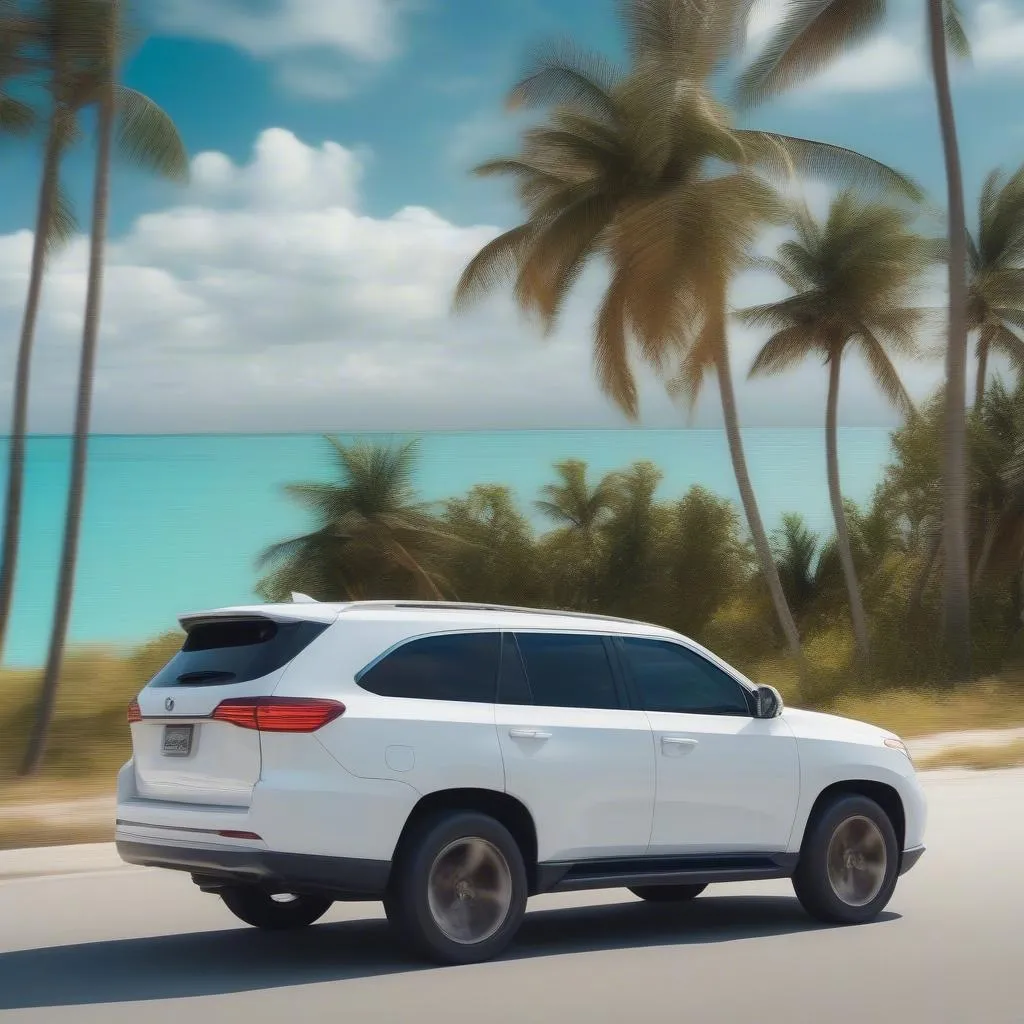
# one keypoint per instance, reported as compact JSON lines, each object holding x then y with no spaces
{"x":137,"y":945}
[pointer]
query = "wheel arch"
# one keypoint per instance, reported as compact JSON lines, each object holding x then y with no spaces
{"x":887,"y":797}
{"x":507,"y":810}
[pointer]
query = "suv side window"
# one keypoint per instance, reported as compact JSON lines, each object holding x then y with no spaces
{"x":670,"y":677}
{"x":455,"y":666}
{"x":568,"y":670}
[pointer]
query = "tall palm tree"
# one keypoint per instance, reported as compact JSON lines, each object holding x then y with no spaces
{"x":995,"y":308}
{"x":642,"y":169}
{"x":809,"y":38}
{"x":146,"y":137}
{"x":372,"y":536}
{"x":852,"y":279}
{"x":46,"y":43}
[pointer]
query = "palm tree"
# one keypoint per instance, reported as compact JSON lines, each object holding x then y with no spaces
{"x":643,"y":170}
{"x":146,"y":137}
{"x":372,"y":536}
{"x":851,"y":278}
{"x":995,"y":308}
{"x":810,"y":37}
{"x":795,"y":547}
{"x":579,"y":511}
{"x":49,"y":43}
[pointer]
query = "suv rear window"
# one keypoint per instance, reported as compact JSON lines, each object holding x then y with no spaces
{"x":455,"y":666}
{"x":219,"y":652}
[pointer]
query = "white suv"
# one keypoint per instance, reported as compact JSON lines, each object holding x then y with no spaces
{"x":453,"y":760}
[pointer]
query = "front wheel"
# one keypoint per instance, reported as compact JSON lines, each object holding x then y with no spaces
{"x":274,"y":912}
{"x":458,"y":894}
{"x":667,"y":893}
{"x":849,"y":862}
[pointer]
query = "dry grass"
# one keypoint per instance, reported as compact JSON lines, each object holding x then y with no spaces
{"x":987,"y":757}
{"x":26,"y":833}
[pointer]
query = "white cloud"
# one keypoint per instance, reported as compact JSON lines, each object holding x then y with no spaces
{"x":294,"y":32}
{"x":268,"y":301}
{"x":997,"y":39}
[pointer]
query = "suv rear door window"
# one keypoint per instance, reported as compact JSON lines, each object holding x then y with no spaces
{"x":455,"y":666}
{"x":218,"y":652}
{"x":568,"y":670}
{"x":670,"y":677}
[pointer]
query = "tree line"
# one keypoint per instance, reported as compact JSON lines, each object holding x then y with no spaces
{"x":613,"y":544}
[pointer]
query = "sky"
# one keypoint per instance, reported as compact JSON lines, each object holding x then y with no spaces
{"x":302,"y":279}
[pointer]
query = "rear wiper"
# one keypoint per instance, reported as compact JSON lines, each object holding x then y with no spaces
{"x":205,"y":676}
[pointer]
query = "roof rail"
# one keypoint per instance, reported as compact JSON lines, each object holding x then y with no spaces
{"x":481,"y":607}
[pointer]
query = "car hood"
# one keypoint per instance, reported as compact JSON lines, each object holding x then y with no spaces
{"x":817,"y":725}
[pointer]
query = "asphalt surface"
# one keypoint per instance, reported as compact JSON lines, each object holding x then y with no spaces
{"x":140,"y":945}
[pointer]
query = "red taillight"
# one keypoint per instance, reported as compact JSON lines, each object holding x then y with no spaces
{"x":279,"y":714}
{"x":134,"y":713}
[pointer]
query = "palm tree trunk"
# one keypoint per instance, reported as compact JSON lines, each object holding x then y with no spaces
{"x":79,"y":452}
{"x":19,"y":410}
{"x":984,"y":345}
{"x":956,"y":580}
{"x":858,"y":615}
{"x":762,"y":547}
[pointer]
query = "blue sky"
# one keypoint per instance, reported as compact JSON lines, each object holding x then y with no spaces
{"x":409,"y":95}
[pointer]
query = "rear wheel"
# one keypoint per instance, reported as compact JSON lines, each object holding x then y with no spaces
{"x":274,"y":912}
{"x":849,"y":862}
{"x":459,"y":890}
{"x":667,"y":893}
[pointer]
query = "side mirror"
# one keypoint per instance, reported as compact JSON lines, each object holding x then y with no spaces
{"x":769,"y":702}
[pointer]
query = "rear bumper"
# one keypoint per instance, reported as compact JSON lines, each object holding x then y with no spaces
{"x":214,"y":868}
{"x":909,"y":858}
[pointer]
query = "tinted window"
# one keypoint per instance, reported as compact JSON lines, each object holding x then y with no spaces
{"x":568,"y":671}
{"x":668,"y":677}
{"x":513,"y":686}
{"x":459,"y":666}
{"x":222,"y":651}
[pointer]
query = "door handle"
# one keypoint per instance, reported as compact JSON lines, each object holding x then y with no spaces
{"x":529,"y":734}
{"x":677,"y":744}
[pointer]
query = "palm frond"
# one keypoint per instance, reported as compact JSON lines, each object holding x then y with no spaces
{"x":564,"y":76}
{"x":611,"y":351}
{"x":813,"y":34}
{"x":494,"y":265}
{"x":147,"y":137}
{"x":956,"y":35}
{"x":63,"y":222}
{"x":884,"y":372}
{"x":783,"y":351}
{"x":780,"y":156}
{"x":16,"y":117}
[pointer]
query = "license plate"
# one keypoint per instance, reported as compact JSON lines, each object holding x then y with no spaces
{"x":178,"y":740}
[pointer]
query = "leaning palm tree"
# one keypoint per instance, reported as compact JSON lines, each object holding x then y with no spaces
{"x":642,"y":169}
{"x":372,"y":536}
{"x":146,"y":137}
{"x":41,"y":44}
{"x":811,"y":36}
{"x":995,"y":308}
{"x":852,"y":278}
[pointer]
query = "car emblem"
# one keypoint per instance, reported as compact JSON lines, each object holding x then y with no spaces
{"x":169,"y":704}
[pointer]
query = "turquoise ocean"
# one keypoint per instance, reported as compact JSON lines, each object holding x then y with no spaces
{"x":174,"y":523}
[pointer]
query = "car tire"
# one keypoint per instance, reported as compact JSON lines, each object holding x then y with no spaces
{"x":260,"y":909}
{"x":668,"y":893}
{"x":459,"y":889}
{"x":849,"y":862}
